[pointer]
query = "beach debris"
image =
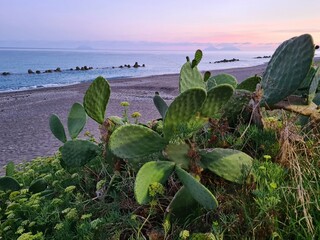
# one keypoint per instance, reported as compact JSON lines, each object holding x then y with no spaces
{"x":30,"y":71}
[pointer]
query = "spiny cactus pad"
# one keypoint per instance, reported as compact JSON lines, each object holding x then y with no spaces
{"x":250,"y":83}
{"x":149,"y":173}
{"x":234,"y":110}
{"x":38,"y":185}
{"x":287,"y":68}
{"x":190,"y":78}
{"x":76,"y":120}
{"x":9,"y":184}
{"x":10,"y":169}
{"x":313,"y":85}
{"x":133,"y":141}
{"x":199,"y":192}
{"x":178,"y":153}
{"x":230,"y":164}
{"x":182,"y":110}
{"x":77,"y":153}
{"x":221,"y":79}
{"x":57,"y":128}
{"x":198,"y":56}
{"x":96,"y":99}
{"x":217,"y":97}
{"x":182,"y":204}
{"x":160,"y":104}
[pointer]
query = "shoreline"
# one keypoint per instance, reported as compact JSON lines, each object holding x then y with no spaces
{"x":24,"y":115}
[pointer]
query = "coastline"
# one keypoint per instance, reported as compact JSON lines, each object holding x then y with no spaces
{"x":24,"y":115}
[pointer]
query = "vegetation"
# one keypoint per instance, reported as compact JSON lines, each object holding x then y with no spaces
{"x":225,"y":161}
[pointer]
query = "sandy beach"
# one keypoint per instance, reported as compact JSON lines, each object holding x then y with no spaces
{"x":24,"y":115}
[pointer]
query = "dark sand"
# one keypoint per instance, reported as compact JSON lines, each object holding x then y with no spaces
{"x":24,"y":116}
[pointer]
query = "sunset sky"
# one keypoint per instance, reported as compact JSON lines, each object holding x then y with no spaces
{"x":246,"y":24}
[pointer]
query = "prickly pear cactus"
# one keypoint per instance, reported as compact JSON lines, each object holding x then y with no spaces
{"x":199,"y":192}
{"x":221,"y":79}
{"x":235,"y":109}
{"x":148,"y":174}
{"x":198,"y":56}
{"x":230,"y":164}
{"x":250,"y":83}
{"x":313,"y":85}
{"x":206,"y":76}
{"x":96,"y":99}
{"x":182,"y":204}
{"x":76,"y":120}
{"x":38,"y":186}
{"x":133,"y":141}
{"x":57,"y":128}
{"x":160,"y":104}
{"x":182,"y":110}
{"x":287,"y":69}
{"x":178,"y":153}
{"x":217,"y":97}
{"x":190,"y":77}
{"x":77,"y":153}
{"x":9,"y":184}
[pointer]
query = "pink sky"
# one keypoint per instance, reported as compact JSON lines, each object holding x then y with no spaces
{"x":247,"y":24}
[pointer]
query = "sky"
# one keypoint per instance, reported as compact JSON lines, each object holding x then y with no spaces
{"x":164,"y":24}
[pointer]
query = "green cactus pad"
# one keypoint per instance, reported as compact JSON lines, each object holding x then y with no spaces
{"x":182,"y":204}
{"x":77,"y":153}
{"x":149,"y":173}
{"x":133,"y":141}
{"x":206,"y":76}
{"x":235,"y":109}
{"x":38,"y":186}
{"x":190,"y":78}
{"x":182,"y":110}
{"x":221,"y":79}
{"x":198,"y":56}
{"x":287,"y":69}
{"x":304,"y":87}
{"x":250,"y":83}
{"x":232,"y":165}
{"x":76,"y":120}
{"x":160,"y":104}
{"x":178,"y":153}
{"x":199,"y":192}
{"x":96,"y":99}
{"x":10,"y":169}
{"x":57,"y":128}
{"x":313,"y":85}
{"x":9,"y":184}
{"x":217,"y":97}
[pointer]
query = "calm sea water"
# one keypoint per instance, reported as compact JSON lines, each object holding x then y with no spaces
{"x":17,"y":62}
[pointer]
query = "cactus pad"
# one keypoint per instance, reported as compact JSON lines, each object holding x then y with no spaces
{"x":182,"y":110}
{"x":182,"y":204}
{"x":206,"y":76}
{"x":38,"y":186}
{"x":190,"y":78}
{"x":77,"y":153}
{"x":160,"y":104}
{"x":199,"y":192}
{"x":96,"y":99}
{"x":133,"y":141}
{"x":9,"y":184}
{"x":249,"y":84}
{"x":149,"y":173}
{"x":217,"y":97}
{"x":178,"y":153}
{"x":221,"y":79}
{"x":314,"y":85}
{"x":76,"y":120}
{"x":287,"y":69}
{"x":232,"y":165}
{"x":57,"y":128}
{"x":198,"y":56}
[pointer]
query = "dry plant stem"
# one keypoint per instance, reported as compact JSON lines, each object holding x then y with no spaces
{"x":291,"y":142}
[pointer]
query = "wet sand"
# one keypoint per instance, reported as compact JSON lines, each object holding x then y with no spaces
{"x":24,"y":115}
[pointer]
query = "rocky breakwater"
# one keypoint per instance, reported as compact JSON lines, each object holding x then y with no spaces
{"x":226,"y":60}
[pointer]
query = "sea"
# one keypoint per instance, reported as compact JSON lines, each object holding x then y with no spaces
{"x":104,"y":63}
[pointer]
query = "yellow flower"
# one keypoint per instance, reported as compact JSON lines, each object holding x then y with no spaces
{"x":267,"y":157}
{"x":156,"y":189}
{"x":273,"y":185}
{"x":135,"y":115}
{"x":124,"y":104}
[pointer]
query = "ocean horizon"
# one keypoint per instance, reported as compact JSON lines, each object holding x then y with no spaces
{"x":17,"y":62}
